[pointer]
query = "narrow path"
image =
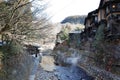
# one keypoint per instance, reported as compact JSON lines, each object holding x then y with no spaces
{"x":35,"y":67}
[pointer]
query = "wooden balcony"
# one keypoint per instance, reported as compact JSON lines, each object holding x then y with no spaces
{"x":91,"y":19}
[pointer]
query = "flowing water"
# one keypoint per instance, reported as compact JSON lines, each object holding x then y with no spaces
{"x":49,"y":71}
{"x":71,"y":72}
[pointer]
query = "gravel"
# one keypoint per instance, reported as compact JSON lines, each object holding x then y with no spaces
{"x":62,"y":73}
{"x":45,"y":75}
{"x":71,"y":72}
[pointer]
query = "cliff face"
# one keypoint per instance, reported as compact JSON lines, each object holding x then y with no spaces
{"x":74,"y":19}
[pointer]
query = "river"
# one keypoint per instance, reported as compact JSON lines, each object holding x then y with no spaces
{"x":47,"y":70}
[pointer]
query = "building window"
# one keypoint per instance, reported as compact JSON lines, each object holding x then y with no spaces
{"x":118,"y":6}
{"x":107,"y":10}
{"x":113,"y":6}
{"x":96,"y":18}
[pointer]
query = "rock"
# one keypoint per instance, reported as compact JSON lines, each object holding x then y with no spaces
{"x":47,"y":63}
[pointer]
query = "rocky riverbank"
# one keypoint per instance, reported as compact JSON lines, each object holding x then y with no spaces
{"x":47,"y":70}
{"x":83,"y":59}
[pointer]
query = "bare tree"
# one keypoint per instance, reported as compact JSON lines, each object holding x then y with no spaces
{"x":16,"y":18}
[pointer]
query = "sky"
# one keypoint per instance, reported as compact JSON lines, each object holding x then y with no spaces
{"x":59,"y":9}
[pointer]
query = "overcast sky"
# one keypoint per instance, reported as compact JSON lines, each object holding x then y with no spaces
{"x":59,"y":9}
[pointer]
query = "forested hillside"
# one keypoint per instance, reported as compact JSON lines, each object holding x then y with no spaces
{"x":77,"y":19}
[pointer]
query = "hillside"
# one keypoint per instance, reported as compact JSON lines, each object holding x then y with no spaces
{"x":77,"y":19}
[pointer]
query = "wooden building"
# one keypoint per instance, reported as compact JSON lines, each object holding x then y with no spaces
{"x":112,"y":16}
{"x":109,"y":8}
{"x":109,"y":12}
{"x":91,"y":23}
